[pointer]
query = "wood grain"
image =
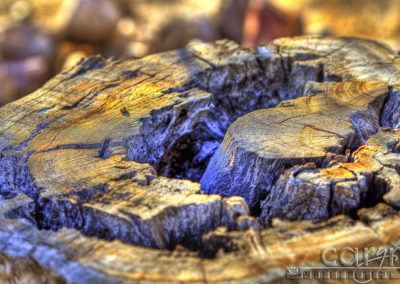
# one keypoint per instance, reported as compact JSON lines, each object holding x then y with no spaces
{"x":99,"y":168}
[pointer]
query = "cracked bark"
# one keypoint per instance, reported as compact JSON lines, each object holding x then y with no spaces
{"x":89,"y":164}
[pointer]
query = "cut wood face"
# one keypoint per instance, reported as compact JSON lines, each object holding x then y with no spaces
{"x":207,"y":164}
{"x":340,"y":116}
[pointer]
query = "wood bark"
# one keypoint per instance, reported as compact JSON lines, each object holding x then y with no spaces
{"x":100,"y":168}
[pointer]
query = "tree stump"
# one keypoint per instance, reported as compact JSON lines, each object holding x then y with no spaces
{"x":206,"y":164}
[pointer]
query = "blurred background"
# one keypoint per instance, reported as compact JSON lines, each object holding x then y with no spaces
{"x":38,"y":38}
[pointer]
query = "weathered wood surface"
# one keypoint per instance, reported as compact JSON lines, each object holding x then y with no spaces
{"x":259,"y":145}
{"x":84,"y":163}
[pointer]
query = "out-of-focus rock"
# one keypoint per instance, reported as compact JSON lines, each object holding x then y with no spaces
{"x":264,"y":22}
{"x":22,"y":40}
{"x":127,"y":41}
{"x":128,"y":27}
{"x":233,"y":14}
{"x":253,"y":22}
{"x":21,"y":10}
{"x":88,"y":20}
{"x":180,"y":32}
{"x":26,"y":57}
{"x":73,"y":58}
{"x":70,"y":52}
{"x":373,"y":19}
{"x":165,"y":25}
{"x":360,"y":18}
{"x":20,"y":77}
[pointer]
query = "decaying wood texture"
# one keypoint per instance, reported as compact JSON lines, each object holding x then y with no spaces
{"x":100,"y":168}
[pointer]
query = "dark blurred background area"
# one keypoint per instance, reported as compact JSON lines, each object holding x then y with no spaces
{"x":39,"y":38}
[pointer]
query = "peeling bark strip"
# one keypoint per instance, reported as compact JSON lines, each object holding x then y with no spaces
{"x":89,"y":163}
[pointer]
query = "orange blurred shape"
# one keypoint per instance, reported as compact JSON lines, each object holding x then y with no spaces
{"x":265,"y":22}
